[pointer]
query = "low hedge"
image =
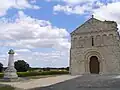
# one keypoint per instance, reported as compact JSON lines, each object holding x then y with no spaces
{"x":26,"y":74}
{"x":1,"y":75}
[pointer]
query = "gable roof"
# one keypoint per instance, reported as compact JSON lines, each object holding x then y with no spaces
{"x":94,"y":24}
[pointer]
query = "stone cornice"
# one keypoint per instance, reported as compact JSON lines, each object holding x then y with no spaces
{"x":92,"y":32}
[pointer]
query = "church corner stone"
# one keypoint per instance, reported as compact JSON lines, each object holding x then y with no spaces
{"x":10,"y":72}
{"x":95,"y":48}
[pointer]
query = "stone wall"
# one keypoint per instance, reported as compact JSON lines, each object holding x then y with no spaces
{"x":106,"y":44}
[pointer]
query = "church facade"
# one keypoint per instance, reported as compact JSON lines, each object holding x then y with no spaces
{"x":95,"y":48}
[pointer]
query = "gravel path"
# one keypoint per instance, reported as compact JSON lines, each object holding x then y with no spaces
{"x":39,"y":82}
{"x":67,"y":82}
{"x":87,"y":82}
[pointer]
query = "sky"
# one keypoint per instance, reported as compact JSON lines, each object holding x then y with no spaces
{"x":39,"y":30}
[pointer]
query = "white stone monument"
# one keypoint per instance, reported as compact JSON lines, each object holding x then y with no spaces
{"x":10,"y":72}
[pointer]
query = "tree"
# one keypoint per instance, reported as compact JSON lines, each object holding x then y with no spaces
{"x":67,"y":68}
{"x":46,"y":69}
{"x":1,"y":67}
{"x":21,"y":66}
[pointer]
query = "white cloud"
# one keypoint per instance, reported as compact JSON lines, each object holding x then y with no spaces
{"x":35,"y":7}
{"x":19,"y":4}
{"x":73,"y":1}
{"x":45,"y":59}
{"x":80,"y":7}
{"x":26,"y":34}
{"x":31,"y":33}
{"x":33,"y":1}
{"x":68,"y":9}
{"x":22,"y":50}
{"x":110,"y":12}
{"x":77,"y":1}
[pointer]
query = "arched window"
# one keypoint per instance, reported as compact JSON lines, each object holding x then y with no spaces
{"x":86,"y":41}
{"x":104,"y":39}
{"x":98,"y":40}
{"x":111,"y":39}
{"x":81,"y":42}
{"x":111,"y":35}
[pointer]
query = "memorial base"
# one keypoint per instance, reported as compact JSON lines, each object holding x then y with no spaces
{"x":10,"y":74}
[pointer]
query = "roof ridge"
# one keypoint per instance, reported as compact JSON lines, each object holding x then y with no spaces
{"x":92,"y":18}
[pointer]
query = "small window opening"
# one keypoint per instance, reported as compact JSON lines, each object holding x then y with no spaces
{"x":92,"y":41}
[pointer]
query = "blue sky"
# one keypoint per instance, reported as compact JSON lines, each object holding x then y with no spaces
{"x":39,"y":30}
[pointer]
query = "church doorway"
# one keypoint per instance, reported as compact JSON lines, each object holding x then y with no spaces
{"x":94,"y":65}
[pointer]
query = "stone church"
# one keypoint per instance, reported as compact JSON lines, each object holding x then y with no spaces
{"x":95,"y":48}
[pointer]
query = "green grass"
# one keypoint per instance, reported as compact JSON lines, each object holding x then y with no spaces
{"x":1,"y":75}
{"x":26,"y":74}
{"x":7,"y":88}
{"x":33,"y":73}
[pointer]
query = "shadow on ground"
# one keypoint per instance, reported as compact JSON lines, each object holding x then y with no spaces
{"x":87,"y":82}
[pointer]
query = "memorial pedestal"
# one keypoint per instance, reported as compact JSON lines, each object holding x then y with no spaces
{"x":10,"y":73}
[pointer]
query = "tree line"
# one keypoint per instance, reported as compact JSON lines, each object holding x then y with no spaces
{"x":23,"y":66}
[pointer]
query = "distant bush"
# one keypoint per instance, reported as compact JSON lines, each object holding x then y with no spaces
{"x":1,"y":67}
{"x":46,"y":69}
{"x":67,"y":68}
{"x":1,"y":75}
{"x":26,"y":74}
{"x":33,"y":69}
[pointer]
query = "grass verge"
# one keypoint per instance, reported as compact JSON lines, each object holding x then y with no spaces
{"x":42,"y":74}
{"x":7,"y":88}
